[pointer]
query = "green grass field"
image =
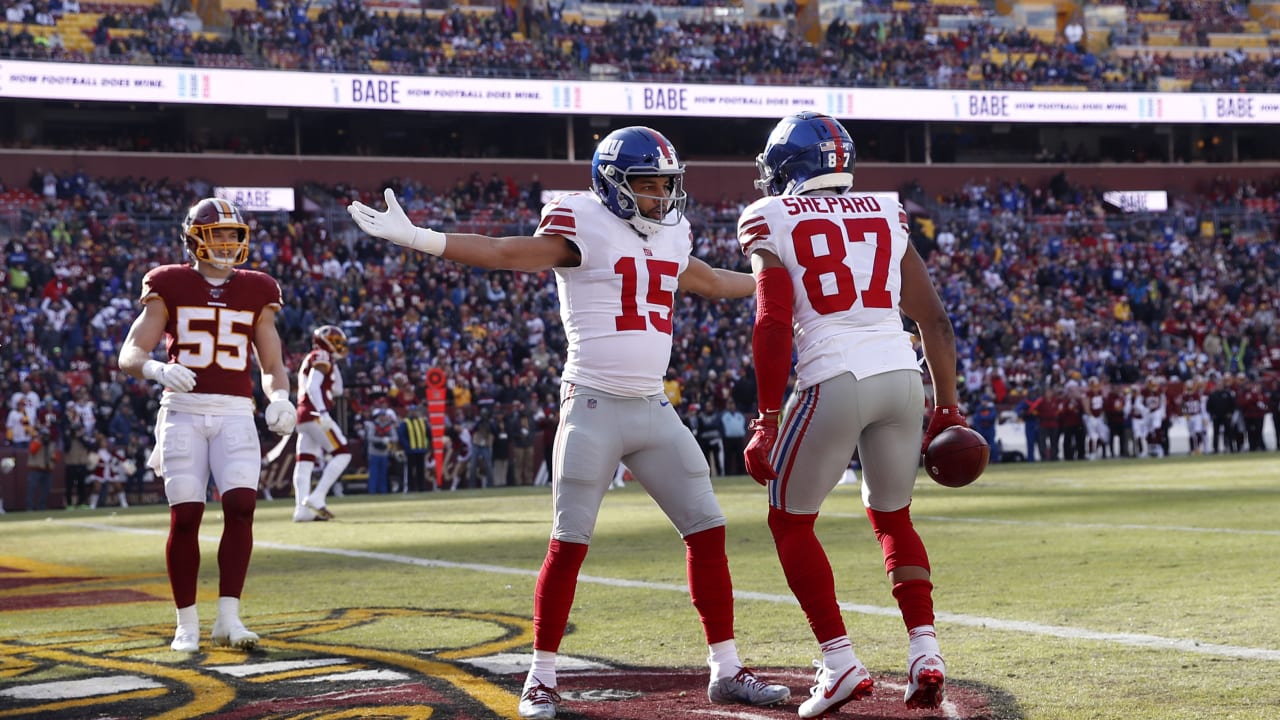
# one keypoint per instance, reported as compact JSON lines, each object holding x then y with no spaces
{"x":1112,"y":590}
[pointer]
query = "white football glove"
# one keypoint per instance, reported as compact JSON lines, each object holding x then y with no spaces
{"x":177,"y":378}
{"x":327,"y":422}
{"x":280,"y":416}
{"x":395,"y":226}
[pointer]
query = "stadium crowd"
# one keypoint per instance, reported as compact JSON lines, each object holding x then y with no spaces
{"x":1049,"y":292}
{"x":885,"y":47}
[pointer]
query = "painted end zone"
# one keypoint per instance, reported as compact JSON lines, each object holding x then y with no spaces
{"x":678,"y":694}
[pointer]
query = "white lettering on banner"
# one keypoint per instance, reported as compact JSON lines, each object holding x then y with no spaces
{"x":279,"y":88}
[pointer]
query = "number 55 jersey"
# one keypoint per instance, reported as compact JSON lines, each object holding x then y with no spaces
{"x":210,"y":329}
{"x":844,"y":255}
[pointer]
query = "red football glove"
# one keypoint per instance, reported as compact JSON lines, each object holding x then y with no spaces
{"x":764,"y":435}
{"x":944,"y":416}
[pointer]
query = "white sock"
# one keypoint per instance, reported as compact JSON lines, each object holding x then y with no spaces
{"x":124,"y":501}
{"x":837,"y":653}
{"x":328,"y":477}
{"x":723,"y":659}
{"x":924,"y":640}
{"x":543,"y":669}
{"x":229,"y":609}
{"x":188,"y":617}
{"x":301,"y":481}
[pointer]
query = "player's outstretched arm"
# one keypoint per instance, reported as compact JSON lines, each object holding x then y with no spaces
{"x":525,"y":253}
{"x":921,"y":303}
{"x":709,"y":282}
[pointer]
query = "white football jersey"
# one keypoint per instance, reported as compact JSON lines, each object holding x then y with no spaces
{"x":616,"y":305}
{"x":844,"y":254}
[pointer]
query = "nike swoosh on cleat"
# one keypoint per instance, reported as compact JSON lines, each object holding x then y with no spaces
{"x":828,"y":693}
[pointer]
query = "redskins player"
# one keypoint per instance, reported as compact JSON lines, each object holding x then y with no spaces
{"x":212,"y":317}
{"x":319,"y":382}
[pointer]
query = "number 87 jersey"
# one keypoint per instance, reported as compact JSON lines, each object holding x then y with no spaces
{"x":844,"y":255}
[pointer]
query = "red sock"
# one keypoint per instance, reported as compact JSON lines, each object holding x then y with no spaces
{"x":182,"y":551}
{"x":808,"y":572}
{"x":710,"y":586}
{"x":553,"y":596}
{"x":915,"y":600}
{"x":237,"y":540}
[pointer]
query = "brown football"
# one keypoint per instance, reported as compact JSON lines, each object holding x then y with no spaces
{"x":957,"y":456}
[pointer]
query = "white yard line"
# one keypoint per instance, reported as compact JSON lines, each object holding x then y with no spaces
{"x":1073,"y":525}
{"x":1154,"y":642}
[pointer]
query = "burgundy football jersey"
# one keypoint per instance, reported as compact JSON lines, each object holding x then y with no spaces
{"x":210,"y":328}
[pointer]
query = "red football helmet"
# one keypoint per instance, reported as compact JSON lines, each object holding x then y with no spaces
{"x":330,"y":338}
{"x":198,"y":229}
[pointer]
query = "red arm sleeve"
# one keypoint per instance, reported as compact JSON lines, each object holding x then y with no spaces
{"x":771,"y":340}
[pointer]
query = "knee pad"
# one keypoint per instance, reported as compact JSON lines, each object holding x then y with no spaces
{"x":898,"y":539}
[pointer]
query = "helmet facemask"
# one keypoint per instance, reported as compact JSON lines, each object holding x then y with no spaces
{"x":671,"y":205}
{"x":206,"y":239}
{"x":220,"y":252}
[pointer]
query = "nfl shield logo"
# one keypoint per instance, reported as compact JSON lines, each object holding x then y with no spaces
{"x":591,"y":403}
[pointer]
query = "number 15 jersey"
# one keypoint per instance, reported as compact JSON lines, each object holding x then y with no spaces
{"x":616,"y":305}
{"x":844,"y":254}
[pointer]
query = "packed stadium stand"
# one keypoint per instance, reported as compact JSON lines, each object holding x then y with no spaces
{"x":1050,"y":285}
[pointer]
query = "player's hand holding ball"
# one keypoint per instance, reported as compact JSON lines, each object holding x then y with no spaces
{"x":956,"y":456}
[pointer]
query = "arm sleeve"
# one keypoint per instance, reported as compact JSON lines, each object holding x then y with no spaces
{"x":315,"y":390}
{"x":771,"y":339}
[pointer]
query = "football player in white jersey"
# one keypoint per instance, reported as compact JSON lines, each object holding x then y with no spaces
{"x":619,"y":253}
{"x":319,"y":383}
{"x":833,"y":271}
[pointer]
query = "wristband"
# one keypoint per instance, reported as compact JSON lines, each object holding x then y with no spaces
{"x":151,"y":369}
{"x":278,"y":395}
{"x":428,"y":241}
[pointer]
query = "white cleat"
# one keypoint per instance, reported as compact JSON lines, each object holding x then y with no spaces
{"x":186,"y":639}
{"x":746,"y":689}
{"x":539,"y":702}
{"x":927,"y":676}
{"x":834,"y":688}
{"x":232,"y":633}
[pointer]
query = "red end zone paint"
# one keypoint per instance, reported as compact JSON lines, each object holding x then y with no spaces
{"x":682,"y":695}
{"x":46,"y":601}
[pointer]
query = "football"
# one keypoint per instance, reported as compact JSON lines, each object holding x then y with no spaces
{"x":957,"y":456}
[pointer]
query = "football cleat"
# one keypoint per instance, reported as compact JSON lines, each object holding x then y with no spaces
{"x":232,"y":633}
{"x":834,"y":688}
{"x":186,"y":639}
{"x":322,"y":512}
{"x":746,"y":689}
{"x":927,"y":675}
{"x":539,"y":702}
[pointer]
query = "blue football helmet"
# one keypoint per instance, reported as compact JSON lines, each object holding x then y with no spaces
{"x":638,"y":152}
{"x":806,"y":151}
